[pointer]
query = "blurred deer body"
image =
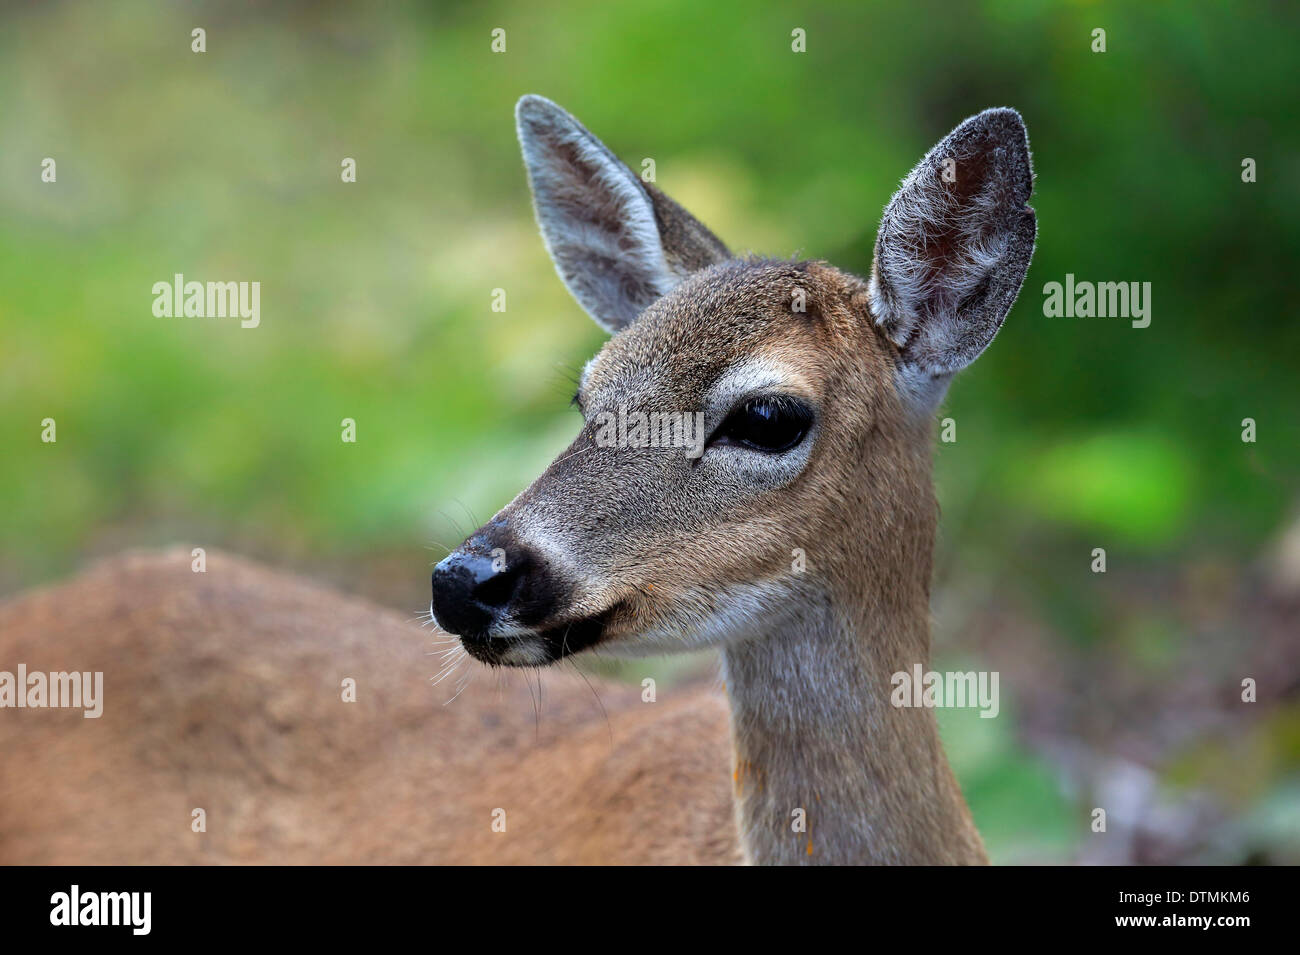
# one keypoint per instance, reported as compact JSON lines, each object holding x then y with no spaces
{"x":796,"y":540}
{"x":223,"y":692}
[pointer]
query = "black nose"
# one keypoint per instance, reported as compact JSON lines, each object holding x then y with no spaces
{"x":472,"y":591}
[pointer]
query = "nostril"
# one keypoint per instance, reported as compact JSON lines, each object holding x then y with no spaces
{"x":454,"y":606}
{"x":496,"y":589}
{"x":473,"y":591}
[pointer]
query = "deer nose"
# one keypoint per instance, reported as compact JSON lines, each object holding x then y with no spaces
{"x":471,"y":592}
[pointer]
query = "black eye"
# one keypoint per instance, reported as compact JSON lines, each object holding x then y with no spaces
{"x":772,"y":424}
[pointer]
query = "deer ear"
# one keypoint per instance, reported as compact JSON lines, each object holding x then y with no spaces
{"x":618,"y":243}
{"x":953,"y":249}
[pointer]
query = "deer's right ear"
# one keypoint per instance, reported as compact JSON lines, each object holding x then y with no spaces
{"x":953,"y":249}
{"x":618,"y":243}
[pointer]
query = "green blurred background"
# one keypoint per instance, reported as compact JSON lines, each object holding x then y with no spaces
{"x":1119,"y":689}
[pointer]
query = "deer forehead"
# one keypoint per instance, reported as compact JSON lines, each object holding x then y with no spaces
{"x":730,"y":327}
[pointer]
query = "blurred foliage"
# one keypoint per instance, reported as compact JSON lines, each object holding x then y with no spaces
{"x":1073,"y":433}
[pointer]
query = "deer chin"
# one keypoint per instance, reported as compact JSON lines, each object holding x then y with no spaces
{"x":539,"y":647}
{"x":632,"y":628}
{"x":703,"y":618}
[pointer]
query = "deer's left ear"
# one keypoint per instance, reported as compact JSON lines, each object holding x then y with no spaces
{"x":953,"y":249}
{"x":617,"y":242}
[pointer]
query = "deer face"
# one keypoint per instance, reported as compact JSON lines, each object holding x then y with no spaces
{"x":754,"y":430}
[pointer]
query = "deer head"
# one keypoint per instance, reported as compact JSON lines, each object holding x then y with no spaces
{"x":783,"y":458}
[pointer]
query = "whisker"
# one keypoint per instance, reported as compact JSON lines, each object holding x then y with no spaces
{"x":590,"y":447}
{"x":448,"y":668}
{"x":599,"y":702}
{"x":472,"y":674}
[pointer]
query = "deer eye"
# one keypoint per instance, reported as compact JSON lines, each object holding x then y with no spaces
{"x":770,"y":424}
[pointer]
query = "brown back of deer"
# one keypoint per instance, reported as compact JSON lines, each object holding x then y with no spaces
{"x":222,"y":691}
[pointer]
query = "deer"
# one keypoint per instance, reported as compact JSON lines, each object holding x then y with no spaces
{"x":795,"y":541}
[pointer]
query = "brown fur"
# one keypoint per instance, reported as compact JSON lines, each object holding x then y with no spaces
{"x":863,"y":510}
{"x":222,"y":691}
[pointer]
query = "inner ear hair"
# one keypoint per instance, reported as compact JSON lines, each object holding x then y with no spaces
{"x":618,"y":243}
{"x":954,"y":245}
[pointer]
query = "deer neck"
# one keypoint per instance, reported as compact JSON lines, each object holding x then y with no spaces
{"x":827,"y":769}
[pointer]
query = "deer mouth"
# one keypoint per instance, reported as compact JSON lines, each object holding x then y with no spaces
{"x":542,"y":647}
